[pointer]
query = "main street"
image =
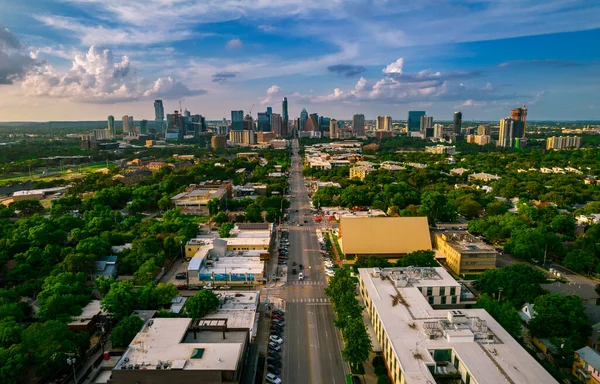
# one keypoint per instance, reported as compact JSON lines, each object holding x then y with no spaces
{"x":312,"y":346}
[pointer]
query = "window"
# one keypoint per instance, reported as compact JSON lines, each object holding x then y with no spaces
{"x":429,"y":291}
{"x":453,"y":299}
{"x":442,"y":291}
{"x":453,"y":290}
{"x":430,"y":298}
{"x":443,"y":300}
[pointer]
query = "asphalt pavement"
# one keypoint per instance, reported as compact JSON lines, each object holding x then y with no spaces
{"x":312,"y":348}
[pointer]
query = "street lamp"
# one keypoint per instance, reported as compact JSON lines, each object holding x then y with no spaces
{"x":71,"y":361}
{"x":500,"y":293}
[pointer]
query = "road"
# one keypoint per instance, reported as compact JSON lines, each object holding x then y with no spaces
{"x":312,"y":346}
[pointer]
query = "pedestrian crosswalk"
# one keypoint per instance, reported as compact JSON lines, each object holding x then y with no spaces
{"x":308,"y":282}
{"x":311,"y":300}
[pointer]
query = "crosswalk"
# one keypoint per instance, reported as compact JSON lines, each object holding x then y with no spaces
{"x":311,"y":300}
{"x":307,"y":282}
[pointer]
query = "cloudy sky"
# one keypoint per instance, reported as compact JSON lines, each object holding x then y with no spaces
{"x":86,"y":59}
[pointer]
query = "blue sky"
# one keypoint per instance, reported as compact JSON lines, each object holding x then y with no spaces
{"x":86,"y":59}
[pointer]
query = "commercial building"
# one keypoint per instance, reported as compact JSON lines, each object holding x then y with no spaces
{"x":333,"y":128}
{"x":438,"y":131}
{"x":520,"y":114}
{"x":264,"y":122}
{"x":457,"y":123}
{"x":237,"y":120}
{"x":111,"y":126}
{"x":155,"y":166}
{"x":358,"y":125}
{"x":563,"y":142}
{"x":464,"y":253}
{"x":133,"y":177}
{"x":265,"y":137}
{"x":88,"y":318}
{"x":284,"y":110}
{"x":441,"y":150}
{"x":127,"y":125}
{"x":414,"y":121}
{"x":383,"y":236}
{"x":218,"y":141}
{"x":303,"y":119}
{"x":276,"y":124}
{"x":425,"y":123}
{"x":421,"y":344}
{"x":194,"y":200}
{"x":39,"y":194}
{"x":383,"y":123}
{"x":360,"y":172}
{"x":184,"y":350}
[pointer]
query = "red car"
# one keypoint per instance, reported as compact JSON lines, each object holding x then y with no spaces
{"x":277,"y":317}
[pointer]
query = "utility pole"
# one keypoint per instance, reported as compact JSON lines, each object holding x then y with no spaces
{"x":500,"y":293}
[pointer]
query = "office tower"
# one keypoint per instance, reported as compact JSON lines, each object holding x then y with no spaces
{"x":127,"y":125}
{"x":237,"y":120}
{"x":358,"y":125}
{"x":248,"y":123}
{"x":285,"y":131}
{"x":425,"y":122}
{"x":311,"y":124}
{"x":276,"y":124}
{"x":264,"y":122}
{"x":509,"y":130}
{"x":520,"y":114}
{"x":414,"y":120}
{"x":176,"y":126}
{"x":383,"y":123}
{"x":198,"y":125}
{"x":144,"y":127}
{"x":269,"y":111}
{"x":111,"y":125}
{"x":303,"y":119}
{"x":457,"y":126}
{"x":483,"y":130}
{"x":438,"y":131}
{"x":333,"y":128}
{"x":324,"y":124}
{"x":159,"y":116}
{"x":284,"y":110}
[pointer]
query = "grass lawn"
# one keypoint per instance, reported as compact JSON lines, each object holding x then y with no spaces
{"x":79,"y":172}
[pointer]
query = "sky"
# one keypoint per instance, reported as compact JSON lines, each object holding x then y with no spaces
{"x":87,"y":59}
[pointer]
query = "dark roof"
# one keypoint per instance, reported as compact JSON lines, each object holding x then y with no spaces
{"x":585,"y":291}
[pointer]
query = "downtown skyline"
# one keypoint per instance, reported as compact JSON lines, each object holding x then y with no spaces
{"x":87,"y":59}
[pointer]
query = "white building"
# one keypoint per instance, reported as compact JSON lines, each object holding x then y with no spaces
{"x":421,"y":343}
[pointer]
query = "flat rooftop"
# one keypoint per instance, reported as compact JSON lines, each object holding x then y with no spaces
{"x":415,"y":330}
{"x":464,"y":242}
{"x":248,"y":241}
{"x":169,"y":341}
{"x":234,"y":265}
{"x":423,"y":277}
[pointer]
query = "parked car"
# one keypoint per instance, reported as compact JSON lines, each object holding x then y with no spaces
{"x":278,"y":311}
{"x":301,"y":267}
{"x":274,"y":361}
{"x":301,"y":276}
{"x":276,"y":328}
{"x":274,"y":355}
{"x":275,"y":333}
{"x":274,"y":347}
{"x":273,"y":369}
{"x":181,"y":276}
{"x":294,"y":271}
{"x":272,"y":379}
{"x":278,"y":318}
{"x":276,"y":339}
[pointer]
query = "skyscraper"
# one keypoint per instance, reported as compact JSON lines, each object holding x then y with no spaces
{"x":520,"y":114}
{"x":143,"y":127}
{"x":358,"y":124}
{"x":506,"y":132}
{"x":159,"y":116}
{"x":264,"y":122}
{"x":383,"y":123}
{"x":312,"y":124}
{"x":276,"y":124}
{"x":457,"y":126}
{"x":284,"y":110}
{"x":426,"y":122}
{"x":127,"y":125}
{"x":248,"y":123}
{"x":176,"y":126}
{"x":333,"y":127}
{"x":303,"y":119}
{"x":111,"y":125}
{"x":414,"y":120}
{"x":237,"y":120}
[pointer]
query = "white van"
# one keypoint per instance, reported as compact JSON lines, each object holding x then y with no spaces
{"x":301,"y":276}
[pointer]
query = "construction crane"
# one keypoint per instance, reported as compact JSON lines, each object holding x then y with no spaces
{"x":180,"y":110}
{"x":250,"y":113}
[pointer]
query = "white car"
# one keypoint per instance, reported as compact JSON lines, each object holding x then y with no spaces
{"x":301,"y":276}
{"x":271,"y":378}
{"x":276,"y":339}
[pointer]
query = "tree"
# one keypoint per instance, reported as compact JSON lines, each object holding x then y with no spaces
{"x":520,"y":283}
{"x":164,"y":203}
{"x":120,"y":300}
{"x":65,"y":283}
{"x":581,"y":261}
{"x":60,"y":307}
{"x":340,"y":283}
{"x":164,"y":293}
{"x":213,"y":206}
{"x":423,"y":258}
{"x":145,"y":273}
{"x":79,"y":262}
{"x":346,"y":308}
{"x":225,"y":230}
{"x":103,"y":284}
{"x":358,"y":344}
{"x":201,"y":304}
{"x":27,"y":207}
{"x":437,"y":207}
{"x":94,"y":246}
{"x":526,"y":244}
{"x":220,"y":218}
{"x":563,"y":224}
{"x":504,"y":313}
{"x":253,"y":213}
{"x":10,"y":332}
{"x":469,"y":208}
{"x":124,"y":333}
{"x":13,"y":366}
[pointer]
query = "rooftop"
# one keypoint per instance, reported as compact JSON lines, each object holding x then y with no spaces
{"x":416,"y":330}
{"x":168,"y":341}
{"x":464,"y":242}
{"x":591,"y":356}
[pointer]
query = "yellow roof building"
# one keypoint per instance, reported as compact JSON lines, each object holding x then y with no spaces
{"x":384,"y":236}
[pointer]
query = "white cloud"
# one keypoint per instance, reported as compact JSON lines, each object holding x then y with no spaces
{"x":235,"y":43}
{"x":97,"y":77}
{"x":395,"y":67}
{"x":273,"y":94}
{"x":472,"y":104}
{"x":267,"y":28}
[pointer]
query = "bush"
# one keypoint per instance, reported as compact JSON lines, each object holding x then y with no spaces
{"x":358,"y":370}
{"x":380,"y":370}
{"x":384,"y":380}
{"x":378,"y":361}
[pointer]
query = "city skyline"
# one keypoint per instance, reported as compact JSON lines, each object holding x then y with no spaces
{"x":87,"y":59}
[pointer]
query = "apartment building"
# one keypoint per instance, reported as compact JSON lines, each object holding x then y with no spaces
{"x":465,"y":254}
{"x":360,"y":172}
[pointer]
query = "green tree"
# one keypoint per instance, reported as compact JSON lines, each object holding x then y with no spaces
{"x":253,"y":213}
{"x":10,"y":332}
{"x":357,"y":342}
{"x":213,"y":206}
{"x":437,"y":207}
{"x":581,"y":261}
{"x":120,"y":300}
{"x":60,"y":307}
{"x":79,"y":262}
{"x":340,"y":283}
{"x":220,"y":218}
{"x":124,"y":333}
{"x":423,"y":258}
{"x":103,"y":284}
{"x":526,"y":244}
{"x":94,"y":246}
{"x":520,"y":283}
{"x":225,"y":229}
{"x":504,"y":313}
{"x":346,"y":308}
{"x":164,"y":203}
{"x":563,"y":224}
{"x":164,"y":293}
{"x":146,"y":272}
{"x":13,"y":366}
{"x":27,"y":207}
{"x":201,"y":304}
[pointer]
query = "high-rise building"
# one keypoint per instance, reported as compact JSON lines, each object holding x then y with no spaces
{"x":237,"y":120}
{"x":333,"y":128}
{"x":176,"y":126}
{"x":324,"y":124}
{"x":358,"y":124}
{"x":159,"y":116}
{"x":312,"y":124}
{"x":414,"y":121}
{"x":248,"y":124}
{"x":484,"y":130}
{"x":383,"y":123}
{"x":111,"y":125}
{"x":276,"y":124}
{"x":563,"y":142}
{"x":438,"y":131}
{"x":284,"y":110}
{"x":127,"y":125}
{"x":457,"y":126}
{"x":425,"y":122}
{"x":144,"y":127}
{"x":507,"y":132}
{"x":303,"y":119}
{"x":218,"y":141}
{"x":520,"y":114}
{"x":264,"y":122}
